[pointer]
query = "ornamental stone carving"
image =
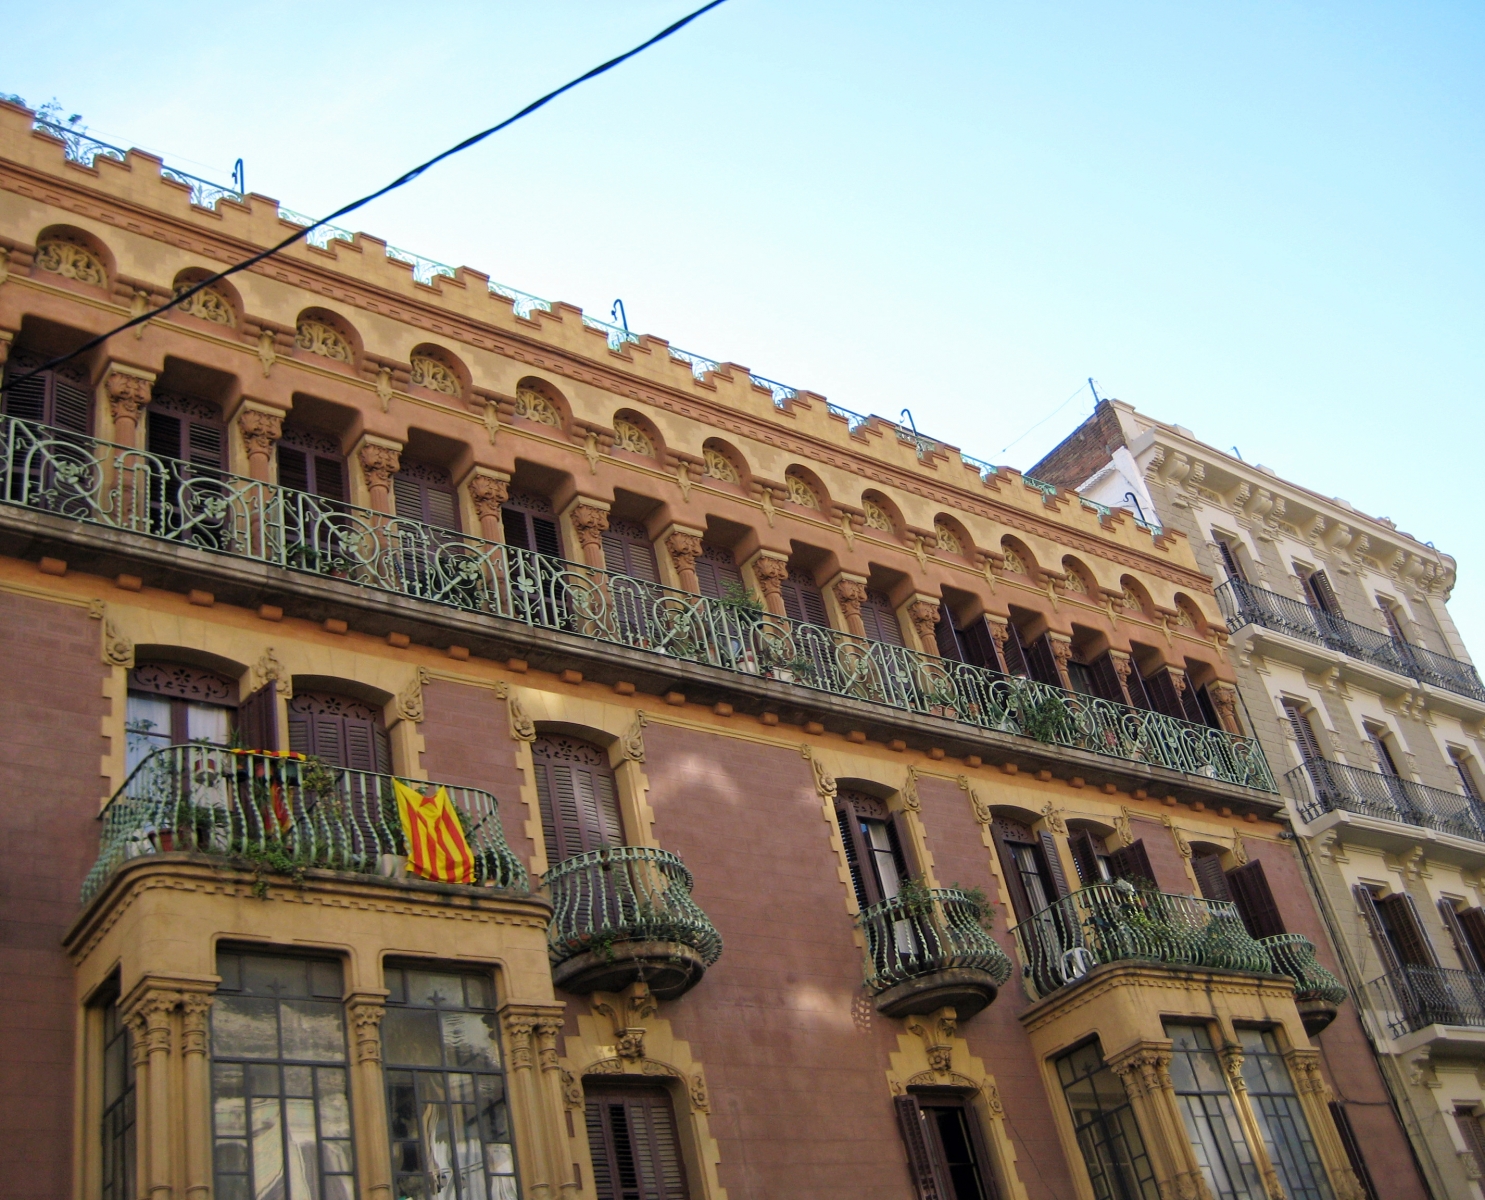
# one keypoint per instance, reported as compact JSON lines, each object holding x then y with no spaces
{"x":717,"y":465}
{"x":319,"y":338}
{"x":366,"y":1019}
{"x":208,"y":304}
{"x":924,"y":616}
{"x":1012,"y":562}
{"x":1144,"y":1072}
{"x":629,"y":436}
{"x":800,"y":492}
{"x":698,"y":1093}
{"x":118,"y":650}
{"x":380,"y":463}
{"x":876,"y":516}
{"x":71,"y":261}
{"x":685,"y":549}
{"x":632,"y":740}
{"x":194,"y":1008}
{"x":518,"y":1027}
{"x":488,"y":494}
{"x":824,"y":781}
{"x":981,"y":810}
{"x":771,"y":573}
{"x":547,"y":1029}
{"x":435,"y":376}
{"x":410,"y":699}
{"x":522,"y":727}
{"x":572,"y":1089}
{"x":851,"y":595}
{"x":910,"y":798}
{"x":589,"y":523}
{"x":260,"y":430}
{"x":127,"y":395}
{"x":531,"y":405}
{"x":948,"y":540}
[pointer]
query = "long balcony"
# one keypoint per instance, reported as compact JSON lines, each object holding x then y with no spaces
{"x":100,"y":484}
{"x":1243,"y":604}
{"x":1416,"y":996}
{"x":281,"y":815}
{"x":1321,"y":786}
{"x":1114,"y":922}
{"x":622,"y":914}
{"x":927,"y":948}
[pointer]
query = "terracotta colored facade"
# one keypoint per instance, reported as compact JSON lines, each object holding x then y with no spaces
{"x":821,"y":624}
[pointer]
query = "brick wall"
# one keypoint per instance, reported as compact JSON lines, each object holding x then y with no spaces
{"x":51,"y":703}
{"x":1084,"y":450}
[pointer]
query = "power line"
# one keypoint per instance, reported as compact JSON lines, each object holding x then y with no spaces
{"x":1050,"y":415}
{"x":401,"y":181}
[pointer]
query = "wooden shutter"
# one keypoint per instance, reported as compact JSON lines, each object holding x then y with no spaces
{"x":162,"y":434}
{"x":28,"y":400}
{"x":1230,"y":562}
{"x":850,"y":838}
{"x":633,"y":1143}
{"x":1466,"y":776}
{"x":579,"y":803}
{"x":1394,"y":626}
{"x":880,"y":621}
{"x":59,"y":397}
{"x":343,"y":732}
{"x":1015,"y":652}
{"x":1474,"y":1137}
{"x":1162,"y":693}
{"x":803,"y":601}
{"x":529,"y":525}
{"x":1190,"y":704}
{"x":1210,"y":877}
{"x":1105,"y":679}
{"x":715,"y":569}
{"x":929,"y":1180}
{"x":1131,"y":862}
{"x":1400,"y":916}
{"x":979,"y":646}
{"x":1085,"y":857}
{"x":1322,"y":594}
{"x":1463,"y":947}
{"x":945,"y":637}
{"x":1139,"y":694}
{"x":1383,"y":754}
{"x":1371,"y":914}
{"x":1041,"y":663}
{"x":257,"y":718}
{"x":1004,"y":832}
{"x":628,"y":551}
{"x":1255,"y":900}
{"x":906,"y":867}
{"x":184,"y":429}
{"x":423,"y":493}
{"x":293,"y":469}
{"x":1472,"y":922}
{"x":1304,"y":732}
{"x":1054,"y":864}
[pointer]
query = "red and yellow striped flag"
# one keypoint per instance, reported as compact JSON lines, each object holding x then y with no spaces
{"x":436,"y":847}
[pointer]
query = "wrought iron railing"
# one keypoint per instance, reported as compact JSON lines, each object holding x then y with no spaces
{"x":280,"y":813}
{"x":1112,"y":922}
{"x":1415,"y":996}
{"x":1243,"y":604}
{"x":927,"y":931}
{"x":95,"y":482}
{"x":1321,"y":786}
{"x":625,"y":894}
{"x":1293,"y":955}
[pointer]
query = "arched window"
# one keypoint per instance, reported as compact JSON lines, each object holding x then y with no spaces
{"x":344,"y":732}
{"x":880,"y":621}
{"x":530,"y":525}
{"x":425,"y":493}
{"x":171,"y":704}
{"x":1032,"y":867}
{"x":803,"y":600}
{"x":627,"y":550}
{"x":874,"y":847}
{"x":716,"y":572}
{"x":579,"y":802}
{"x":59,"y":397}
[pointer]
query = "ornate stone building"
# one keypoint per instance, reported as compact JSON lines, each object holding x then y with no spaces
{"x":817,"y":810}
{"x":1357,"y":684}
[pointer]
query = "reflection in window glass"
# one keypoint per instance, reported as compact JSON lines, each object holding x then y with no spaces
{"x":118,"y":1107}
{"x":1286,"y":1131}
{"x":281,"y":1119}
{"x":450,"y":1125}
{"x":1211,"y":1120}
{"x":1104,"y":1124}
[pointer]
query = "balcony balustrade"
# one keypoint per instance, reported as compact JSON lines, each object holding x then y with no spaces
{"x":1418,"y":996}
{"x":1243,"y":604}
{"x":1321,"y":786}
{"x":927,"y":948}
{"x":281,"y":815}
{"x":1317,"y":993}
{"x":1113,"y":922}
{"x":622,"y":914}
{"x":97,"y":483}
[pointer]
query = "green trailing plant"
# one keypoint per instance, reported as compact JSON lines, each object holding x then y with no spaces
{"x":1045,"y":716}
{"x":740,"y":597}
{"x":984,"y":910}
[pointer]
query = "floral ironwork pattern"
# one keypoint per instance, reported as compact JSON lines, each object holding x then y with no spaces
{"x":319,"y":338}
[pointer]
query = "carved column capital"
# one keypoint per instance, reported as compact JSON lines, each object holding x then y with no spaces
{"x":547,"y":1029}
{"x":488,"y":494}
{"x":380,"y":463}
{"x":195,"y":1009}
{"x":590,"y":523}
{"x":518,"y":1027}
{"x":924,"y":615}
{"x":260,"y":430}
{"x":366,"y":1015}
{"x":128,"y":393}
{"x":1145,"y":1070}
{"x":149,"y":1014}
{"x":771,"y":573}
{"x":851,"y":595}
{"x":1224,"y":699}
{"x":685,"y":548}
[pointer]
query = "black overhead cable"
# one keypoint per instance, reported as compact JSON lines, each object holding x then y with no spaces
{"x":400,"y":181}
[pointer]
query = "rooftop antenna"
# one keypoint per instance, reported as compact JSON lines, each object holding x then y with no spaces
{"x":239,"y":178}
{"x":617,"y":313}
{"x":1097,"y":399}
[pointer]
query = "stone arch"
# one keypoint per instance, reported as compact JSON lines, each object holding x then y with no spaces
{"x":1136,"y":596}
{"x":220,"y":304}
{"x":635,"y":433}
{"x":952,"y":536}
{"x":540,"y":403}
{"x":218,"y":664}
{"x":1188,"y":614}
{"x":722,"y":462}
{"x":328,"y":335}
{"x":438,"y":370}
{"x":1019,"y":559}
{"x":804,"y":488}
{"x":75,"y":254}
{"x":1080,"y":580}
{"x":882,"y":514}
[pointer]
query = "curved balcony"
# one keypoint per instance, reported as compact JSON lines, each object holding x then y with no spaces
{"x":1322,"y":786}
{"x":117,"y":487}
{"x":1317,"y":993}
{"x":1112,"y":922}
{"x":622,"y":914}
{"x":927,"y":948}
{"x":281,"y":814}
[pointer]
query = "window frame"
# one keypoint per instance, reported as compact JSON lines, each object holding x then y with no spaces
{"x":1115,"y":1123}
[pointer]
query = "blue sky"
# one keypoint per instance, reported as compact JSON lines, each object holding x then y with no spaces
{"x":1262,"y":221}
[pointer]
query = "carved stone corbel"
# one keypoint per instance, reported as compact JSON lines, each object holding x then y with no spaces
{"x":632,"y":740}
{"x":410,"y":699}
{"x":824,"y":780}
{"x":522,"y":727}
{"x":981,"y":809}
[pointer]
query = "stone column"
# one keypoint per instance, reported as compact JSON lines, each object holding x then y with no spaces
{"x":150,"y":1017}
{"x":685,"y":548}
{"x":139,"y":1049}
{"x":1145,"y":1071}
{"x":368,"y":1095}
{"x":1232,"y":1066}
{"x":850,"y":594}
{"x":924,"y":612}
{"x":128,"y":392}
{"x":589,"y":523}
{"x":260,"y":428}
{"x":1315,"y":1097}
{"x":1000,"y":634}
{"x":553,"y":1108}
{"x":1180,"y":683}
{"x":527,"y":1115}
{"x":1123,"y":665}
{"x":1062,"y":651}
{"x":771,"y":573}
{"x":379,"y":462}
{"x":195,"y":1008}
{"x":489,"y":491}
{"x":1224,"y":700}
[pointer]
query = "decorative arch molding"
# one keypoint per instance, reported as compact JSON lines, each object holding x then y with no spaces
{"x":540,"y":403}
{"x":1018,"y":559}
{"x":1079,"y":579}
{"x":438,"y":370}
{"x":624,"y":1036}
{"x":722,"y":462}
{"x":328,"y":335}
{"x":1189,"y":615}
{"x":636,"y":434}
{"x":75,"y":254}
{"x":952,"y":536}
{"x":881,"y":513}
{"x":219,"y":304}
{"x":1137,"y":597}
{"x":804,"y":488}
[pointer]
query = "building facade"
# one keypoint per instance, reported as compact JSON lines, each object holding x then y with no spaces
{"x":1357,"y":684}
{"x":463,"y":749}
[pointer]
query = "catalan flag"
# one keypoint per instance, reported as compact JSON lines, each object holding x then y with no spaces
{"x":436,"y":847}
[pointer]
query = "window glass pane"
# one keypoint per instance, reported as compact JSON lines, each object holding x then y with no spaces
{"x":208,"y":723}
{"x":1210,"y":1117}
{"x":263,"y":976}
{"x":1107,"y":1134}
{"x":412,"y":1038}
{"x":313,"y":1029}
{"x":146,"y":727}
{"x":244,"y":1028}
{"x":471,"y":1040}
{"x":425,"y":988}
{"x":1286,"y":1130}
{"x":335,"y":1112}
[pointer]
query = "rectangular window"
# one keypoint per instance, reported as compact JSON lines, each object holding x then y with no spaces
{"x":1286,"y":1129}
{"x":1465,"y":772}
{"x":118,"y":1107}
{"x":450,"y":1124}
{"x":632,"y":1142}
{"x":1105,"y":1128}
{"x":945,"y":1150}
{"x":1210,"y":1117}
{"x":281,"y":1121}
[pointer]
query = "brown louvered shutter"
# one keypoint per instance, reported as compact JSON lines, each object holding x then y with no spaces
{"x":850,"y":838}
{"x":1474,"y":1137}
{"x":1162,"y":693}
{"x":929,"y":1182}
{"x":1131,"y":862}
{"x":1210,"y":877}
{"x":1472,"y":922}
{"x":341,"y":731}
{"x":1400,"y":916}
{"x":1054,"y":864}
{"x":1372,"y":915}
{"x":1389,"y":615}
{"x":1383,"y":753}
{"x":1015,"y":652}
{"x":880,"y":621}
{"x":1462,"y":945}
{"x":945,"y":637}
{"x":1230,"y":562}
{"x":579,"y":804}
{"x":803,"y":600}
{"x":1000,"y":828}
{"x":627,"y":550}
{"x":1322,"y":595}
{"x":715,"y":570}
{"x":1085,"y":857}
{"x":979,"y":646}
{"x":633,"y":1143}
{"x":529,"y":524}
{"x":1190,"y":704}
{"x":1255,"y":900}
{"x":1041,"y":663}
{"x":1105,"y":679}
{"x":257,"y":718}
{"x":1304,"y":732}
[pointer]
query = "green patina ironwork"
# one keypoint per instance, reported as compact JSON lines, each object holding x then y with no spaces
{"x":625,"y":894}
{"x":1113,"y":922}
{"x":921,"y":931}
{"x":280,"y":815}
{"x":1294,"y":955}
{"x":81,"y":479}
